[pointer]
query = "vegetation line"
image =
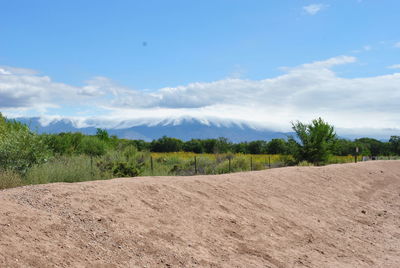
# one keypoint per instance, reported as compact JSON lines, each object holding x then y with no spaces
{"x":29,"y":158}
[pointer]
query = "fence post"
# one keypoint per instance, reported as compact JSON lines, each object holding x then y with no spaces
{"x":229,"y":164}
{"x":151,"y":165}
{"x":91,"y":165}
{"x":195,"y":165}
{"x":269,"y":161}
{"x":251,"y":163}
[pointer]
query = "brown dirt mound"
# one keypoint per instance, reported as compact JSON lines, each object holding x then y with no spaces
{"x":335,"y":216}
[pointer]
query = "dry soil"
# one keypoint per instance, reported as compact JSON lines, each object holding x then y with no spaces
{"x":344,"y":215}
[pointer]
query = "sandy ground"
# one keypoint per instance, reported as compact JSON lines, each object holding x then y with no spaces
{"x":335,"y":216}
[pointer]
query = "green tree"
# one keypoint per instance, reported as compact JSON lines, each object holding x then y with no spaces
{"x":395,"y":145}
{"x":194,"y":145}
{"x":166,"y":144}
{"x":277,"y":146}
{"x":222,"y":145}
{"x":63,"y":143}
{"x":93,"y":147}
{"x":315,"y":141}
{"x":19,"y":147}
{"x":102,"y":134}
{"x":345,"y":147}
{"x":257,"y":147}
{"x":209,"y":145}
{"x":373,"y":147}
{"x":241,"y":147}
{"x":141,"y":145}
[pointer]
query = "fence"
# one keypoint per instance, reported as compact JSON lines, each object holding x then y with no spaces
{"x":182,"y":163}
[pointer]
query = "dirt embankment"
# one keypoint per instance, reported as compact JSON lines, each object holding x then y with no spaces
{"x":335,"y":216}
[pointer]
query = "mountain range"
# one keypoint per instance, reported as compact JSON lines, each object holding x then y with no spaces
{"x":184,"y":129}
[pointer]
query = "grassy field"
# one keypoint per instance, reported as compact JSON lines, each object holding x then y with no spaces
{"x":134,"y":163}
{"x":182,"y":163}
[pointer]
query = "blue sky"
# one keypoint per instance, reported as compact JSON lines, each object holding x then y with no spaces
{"x":141,"y":61}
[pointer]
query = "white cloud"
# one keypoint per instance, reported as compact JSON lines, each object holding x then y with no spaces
{"x":301,"y":93}
{"x":397,"y":45}
{"x":13,"y":70}
{"x":394,"y":66}
{"x":363,"y":49}
{"x":314,"y":8}
{"x":367,"y":48}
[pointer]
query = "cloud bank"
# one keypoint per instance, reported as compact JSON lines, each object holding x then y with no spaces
{"x":302,"y":93}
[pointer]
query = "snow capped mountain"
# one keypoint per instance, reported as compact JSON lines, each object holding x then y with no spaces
{"x":181,"y":128}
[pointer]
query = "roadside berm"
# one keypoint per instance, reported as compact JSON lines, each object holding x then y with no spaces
{"x":345,"y":215}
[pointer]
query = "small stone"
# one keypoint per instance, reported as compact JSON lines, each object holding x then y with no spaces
{"x":363,"y":212}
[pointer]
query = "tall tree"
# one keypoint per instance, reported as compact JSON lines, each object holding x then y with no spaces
{"x":395,"y":144}
{"x":314,"y":142}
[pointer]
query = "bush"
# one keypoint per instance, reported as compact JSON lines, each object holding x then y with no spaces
{"x":124,"y":169}
{"x":166,"y":144}
{"x":10,"y":179}
{"x":394,"y":144}
{"x":314,"y":142}
{"x":128,"y":163}
{"x":305,"y":164}
{"x":285,"y":160}
{"x":277,"y":146}
{"x":19,"y":147}
{"x":65,"y":169}
{"x":92,"y":146}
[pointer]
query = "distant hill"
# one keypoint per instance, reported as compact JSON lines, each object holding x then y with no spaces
{"x":184,"y":130}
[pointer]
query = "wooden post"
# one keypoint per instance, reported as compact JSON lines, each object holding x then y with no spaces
{"x":229,"y":164}
{"x":269,"y":161}
{"x":91,"y":165}
{"x":251,"y":163}
{"x":151,"y":165}
{"x":355,"y":156}
{"x":195,"y":165}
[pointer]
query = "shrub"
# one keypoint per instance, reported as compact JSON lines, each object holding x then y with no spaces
{"x":305,"y":164}
{"x":125,"y":169}
{"x":314,"y":141}
{"x":19,"y":147}
{"x":126,"y":163}
{"x":9,"y":179}
{"x":65,"y":169}
{"x":92,"y":146}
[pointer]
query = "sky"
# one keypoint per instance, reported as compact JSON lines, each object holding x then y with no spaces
{"x":264,"y":63}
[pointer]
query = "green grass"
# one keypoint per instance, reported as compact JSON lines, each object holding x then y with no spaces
{"x":10,"y":179}
{"x":65,"y":169}
{"x":83,"y":168}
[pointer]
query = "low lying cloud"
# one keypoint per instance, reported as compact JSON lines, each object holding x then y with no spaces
{"x":302,"y":93}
